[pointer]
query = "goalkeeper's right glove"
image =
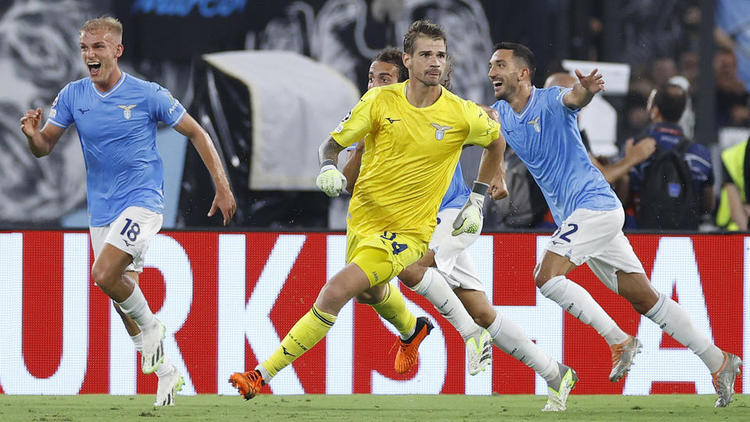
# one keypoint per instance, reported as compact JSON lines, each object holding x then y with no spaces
{"x":330,"y":180}
{"x":469,"y":219}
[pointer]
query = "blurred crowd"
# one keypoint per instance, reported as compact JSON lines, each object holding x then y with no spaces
{"x":665,"y":177}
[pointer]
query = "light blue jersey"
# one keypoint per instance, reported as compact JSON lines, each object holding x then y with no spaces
{"x":457,"y":193}
{"x":545,"y":137}
{"x":117,"y":130}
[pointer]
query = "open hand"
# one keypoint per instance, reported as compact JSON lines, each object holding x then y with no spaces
{"x":593,"y":82}
{"x":639,"y":152}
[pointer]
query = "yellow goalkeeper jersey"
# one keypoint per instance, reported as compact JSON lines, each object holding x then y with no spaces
{"x":409,"y":159}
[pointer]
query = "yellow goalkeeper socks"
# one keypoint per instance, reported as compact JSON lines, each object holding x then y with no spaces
{"x":393,"y":309}
{"x":305,"y":334}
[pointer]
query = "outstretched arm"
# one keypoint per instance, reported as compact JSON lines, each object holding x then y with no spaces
{"x":224,"y":199}
{"x":41,"y":142}
{"x":584,"y":90}
{"x":634,"y":155}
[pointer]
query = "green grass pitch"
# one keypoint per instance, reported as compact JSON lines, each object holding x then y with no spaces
{"x":359,"y":407}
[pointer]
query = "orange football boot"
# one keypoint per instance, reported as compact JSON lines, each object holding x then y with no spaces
{"x":248,"y":384}
{"x":407,"y":355}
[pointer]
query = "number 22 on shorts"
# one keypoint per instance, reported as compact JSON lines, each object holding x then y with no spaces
{"x":572,"y":228}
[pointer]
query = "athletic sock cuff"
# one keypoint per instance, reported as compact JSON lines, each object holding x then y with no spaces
{"x":324,"y":317}
{"x":654,"y":311}
{"x":551,"y":284}
{"x":496,"y":326}
{"x":424,"y":284}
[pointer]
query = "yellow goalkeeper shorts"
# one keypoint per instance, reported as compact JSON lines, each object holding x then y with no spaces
{"x":383,"y":256}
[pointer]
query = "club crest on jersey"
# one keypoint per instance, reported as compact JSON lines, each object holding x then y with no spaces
{"x":536,"y":125}
{"x":126,"y":111}
{"x":440,"y":131}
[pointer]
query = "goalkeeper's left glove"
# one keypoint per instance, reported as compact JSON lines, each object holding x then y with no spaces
{"x":469,"y":219}
{"x":330,"y":180}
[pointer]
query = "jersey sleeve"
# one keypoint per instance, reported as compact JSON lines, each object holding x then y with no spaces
{"x":358,"y":122}
{"x":556,"y":99}
{"x":60,"y":113}
{"x":164,"y":107}
{"x":482,"y":129}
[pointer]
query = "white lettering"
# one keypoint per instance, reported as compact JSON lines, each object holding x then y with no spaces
{"x":340,"y":338}
{"x":256,"y":324}
{"x":542,"y":322}
{"x":482,"y":254}
{"x":14,"y":373}
{"x":231,"y":303}
{"x":433,"y":363}
{"x":168,"y":256}
{"x":675,"y":267}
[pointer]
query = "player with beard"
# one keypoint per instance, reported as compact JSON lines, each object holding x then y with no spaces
{"x":540,"y":125}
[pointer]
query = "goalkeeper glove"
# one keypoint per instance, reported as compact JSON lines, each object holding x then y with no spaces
{"x":469,"y":219}
{"x":330,"y":180}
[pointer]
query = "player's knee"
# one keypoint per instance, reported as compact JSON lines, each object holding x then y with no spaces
{"x":537,"y":275}
{"x":367,"y":298}
{"x":541,"y":277}
{"x":333,"y":297}
{"x":545,"y":273}
{"x":643,"y":302}
{"x":640,"y":307}
{"x":102,"y":277}
{"x":483,"y":317}
{"x":412,"y":275}
{"x":638,"y":291}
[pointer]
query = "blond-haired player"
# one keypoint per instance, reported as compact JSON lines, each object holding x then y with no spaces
{"x":116,"y":117}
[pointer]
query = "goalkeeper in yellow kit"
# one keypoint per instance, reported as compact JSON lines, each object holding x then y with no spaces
{"x":413,"y":132}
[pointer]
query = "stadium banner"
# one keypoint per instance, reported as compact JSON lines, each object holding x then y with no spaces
{"x":227,"y":298}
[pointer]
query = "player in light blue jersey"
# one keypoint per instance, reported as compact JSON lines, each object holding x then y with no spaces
{"x":447,"y":277}
{"x":540,"y":125}
{"x":116,"y":116}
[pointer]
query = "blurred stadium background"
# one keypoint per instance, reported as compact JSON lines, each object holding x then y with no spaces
{"x":267,"y":78}
{"x":245,"y":106}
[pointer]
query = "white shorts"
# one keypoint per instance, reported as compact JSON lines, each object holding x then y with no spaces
{"x":451,"y":256}
{"x":596,"y":238}
{"x":131,"y":232}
